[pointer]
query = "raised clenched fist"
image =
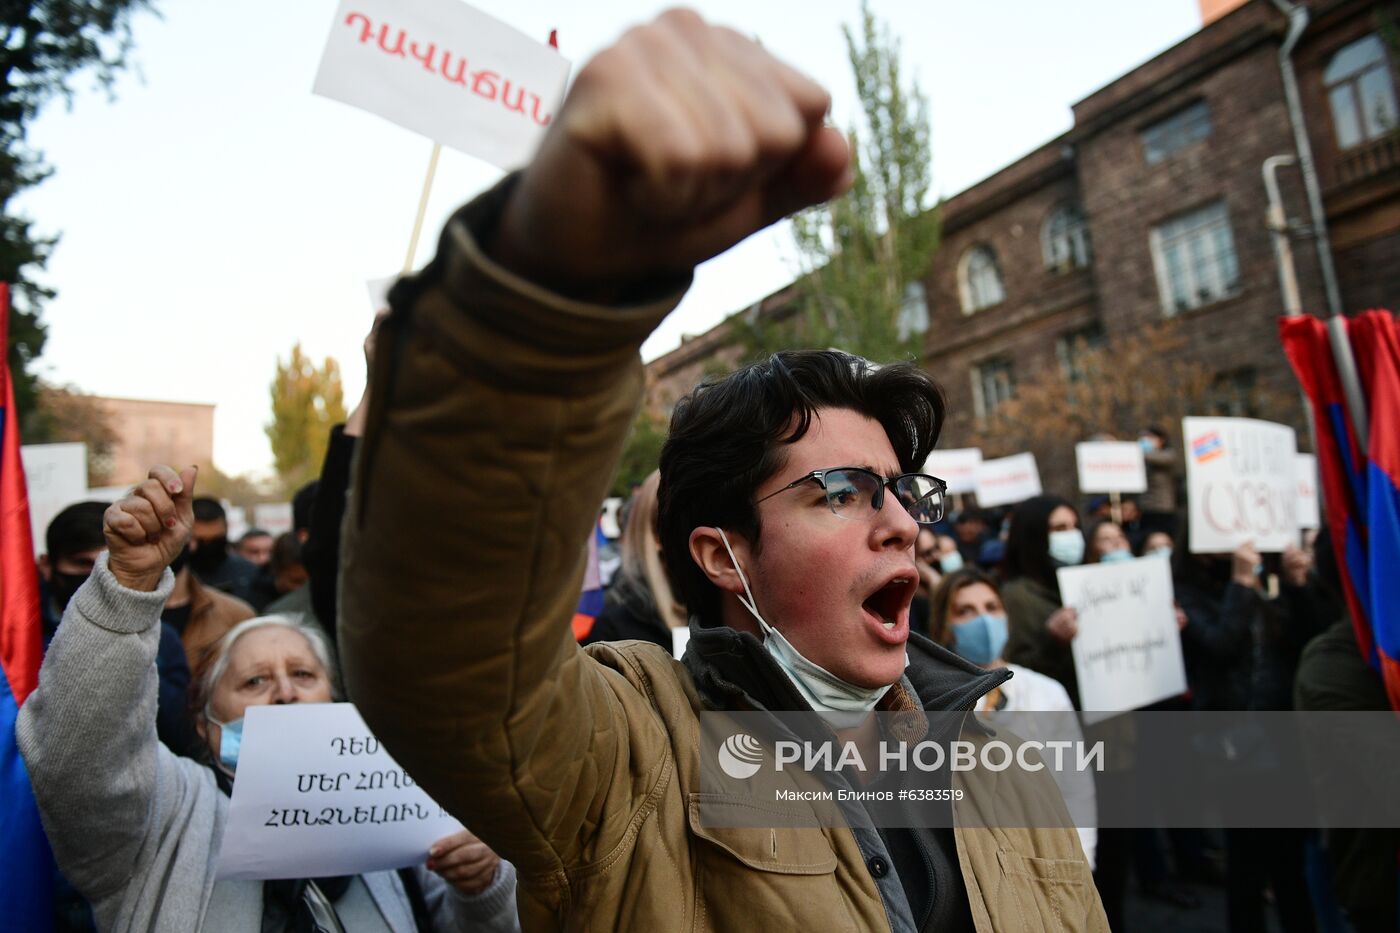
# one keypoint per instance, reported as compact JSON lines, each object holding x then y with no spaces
{"x":148,"y":528}
{"x":674,"y":144}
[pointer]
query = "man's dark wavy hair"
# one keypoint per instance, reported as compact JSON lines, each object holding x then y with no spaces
{"x":728,"y":436}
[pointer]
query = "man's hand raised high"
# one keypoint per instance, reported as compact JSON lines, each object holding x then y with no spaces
{"x":673,"y":145}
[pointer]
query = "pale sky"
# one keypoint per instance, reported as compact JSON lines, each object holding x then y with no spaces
{"x":217,"y":211}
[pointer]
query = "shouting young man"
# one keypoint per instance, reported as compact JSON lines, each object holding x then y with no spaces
{"x":789,"y":507}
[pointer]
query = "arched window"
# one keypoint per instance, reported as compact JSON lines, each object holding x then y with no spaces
{"x":1360,"y":92}
{"x":1065,"y":239}
{"x":979,"y":279}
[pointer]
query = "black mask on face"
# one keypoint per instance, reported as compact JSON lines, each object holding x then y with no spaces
{"x":180,"y":560}
{"x":210,"y":555}
{"x":64,"y":585}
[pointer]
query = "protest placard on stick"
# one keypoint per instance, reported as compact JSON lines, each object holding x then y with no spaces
{"x":1110,"y":466}
{"x":55,"y":477}
{"x":446,"y":70}
{"x":1127,"y":653}
{"x":1007,"y":480}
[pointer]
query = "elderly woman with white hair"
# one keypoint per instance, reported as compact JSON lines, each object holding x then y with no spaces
{"x":137,"y":829}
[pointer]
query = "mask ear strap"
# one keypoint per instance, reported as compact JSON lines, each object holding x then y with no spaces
{"x":750,"y":604}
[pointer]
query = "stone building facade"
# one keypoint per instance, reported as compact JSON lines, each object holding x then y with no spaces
{"x":1153,"y":207}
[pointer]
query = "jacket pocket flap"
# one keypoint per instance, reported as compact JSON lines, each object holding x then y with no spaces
{"x":784,"y":850}
{"x":1065,"y":870}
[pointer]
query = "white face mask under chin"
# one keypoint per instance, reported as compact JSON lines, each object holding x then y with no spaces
{"x":823,"y":690}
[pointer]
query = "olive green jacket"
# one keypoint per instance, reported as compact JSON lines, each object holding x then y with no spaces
{"x":498,"y":413}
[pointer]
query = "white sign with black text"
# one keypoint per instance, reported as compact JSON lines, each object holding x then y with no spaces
{"x":317,"y":795}
{"x":956,"y":467}
{"x":1127,"y":653}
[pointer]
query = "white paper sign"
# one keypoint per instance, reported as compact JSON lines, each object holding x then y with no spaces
{"x":317,"y":795}
{"x":275,"y":518}
{"x":1110,"y":466}
{"x":1241,"y":484}
{"x":1007,"y":480}
{"x":56,"y":477}
{"x":1309,"y":509}
{"x":957,"y":467}
{"x":1128,"y":650}
{"x":237,"y":518}
{"x":447,"y":71}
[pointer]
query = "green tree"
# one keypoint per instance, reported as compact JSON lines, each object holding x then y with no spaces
{"x":46,"y":44}
{"x":860,"y":254}
{"x":306,"y":402}
{"x":642,"y":453}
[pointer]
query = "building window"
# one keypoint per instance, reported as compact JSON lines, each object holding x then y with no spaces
{"x":913,"y":311}
{"x":993,"y":385}
{"x":1072,"y":346}
{"x":1232,"y":394}
{"x":1194,"y":255}
{"x":1065,"y":239}
{"x":1360,"y":92}
{"x":979,"y":279}
{"x":1173,"y":134}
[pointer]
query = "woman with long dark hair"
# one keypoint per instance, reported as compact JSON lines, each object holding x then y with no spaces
{"x":1044,"y":536}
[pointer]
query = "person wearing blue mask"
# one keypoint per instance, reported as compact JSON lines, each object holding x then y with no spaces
{"x":967,"y":617}
{"x":1107,"y":544}
{"x":137,"y":829}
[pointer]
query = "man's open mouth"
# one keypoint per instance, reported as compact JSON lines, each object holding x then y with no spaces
{"x":890,"y":603}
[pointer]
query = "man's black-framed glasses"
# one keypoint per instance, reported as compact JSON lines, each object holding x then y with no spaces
{"x":858,"y":493}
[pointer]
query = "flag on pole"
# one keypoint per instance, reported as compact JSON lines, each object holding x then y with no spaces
{"x":26,"y":866}
{"x":1360,"y":477}
{"x":590,"y":601}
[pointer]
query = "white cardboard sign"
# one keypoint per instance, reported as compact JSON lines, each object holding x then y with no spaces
{"x":317,"y":795}
{"x":1241,"y":484}
{"x":275,"y":518}
{"x":56,"y":477}
{"x":1128,"y":650}
{"x":1309,"y":508}
{"x":1007,"y":480}
{"x":446,"y":70}
{"x":956,"y":467}
{"x":1110,"y":466}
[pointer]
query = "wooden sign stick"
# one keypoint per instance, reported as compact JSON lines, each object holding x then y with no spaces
{"x":422,"y":209}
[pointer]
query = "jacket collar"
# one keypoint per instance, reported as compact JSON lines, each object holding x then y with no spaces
{"x":732,"y":670}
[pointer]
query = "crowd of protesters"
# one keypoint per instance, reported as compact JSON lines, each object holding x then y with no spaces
{"x":501,"y":411}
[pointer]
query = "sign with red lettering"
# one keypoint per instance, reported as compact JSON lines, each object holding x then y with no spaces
{"x":446,"y":70}
{"x":1241,"y":484}
{"x":1309,"y":512}
{"x":1110,"y":466}
{"x":1007,"y":480}
{"x":957,"y":467}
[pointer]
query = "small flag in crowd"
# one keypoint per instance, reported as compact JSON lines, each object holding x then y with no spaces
{"x":26,"y":867}
{"x":1360,"y":477}
{"x":590,"y":602}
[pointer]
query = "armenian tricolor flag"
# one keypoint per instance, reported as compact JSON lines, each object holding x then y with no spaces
{"x":26,"y":866}
{"x":1360,"y":475}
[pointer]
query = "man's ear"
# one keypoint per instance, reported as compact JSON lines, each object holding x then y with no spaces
{"x":45,"y":568}
{"x":708,"y":551}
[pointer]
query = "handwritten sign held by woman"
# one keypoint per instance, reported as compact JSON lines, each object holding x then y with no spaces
{"x":1128,"y":650}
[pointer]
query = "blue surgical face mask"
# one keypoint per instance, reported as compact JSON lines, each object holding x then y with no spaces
{"x":230,"y":739}
{"x":1113,"y":557}
{"x":982,"y":639}
{"x":1067,"y":547}
{"x":1163,"y":551}
{"x":951,"y":562}
{"x":1147,"y":444}
{"x":844,"y":703}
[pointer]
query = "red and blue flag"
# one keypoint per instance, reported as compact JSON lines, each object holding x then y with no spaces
{"x":26,"y":866}
{"x":1360,"y":480}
